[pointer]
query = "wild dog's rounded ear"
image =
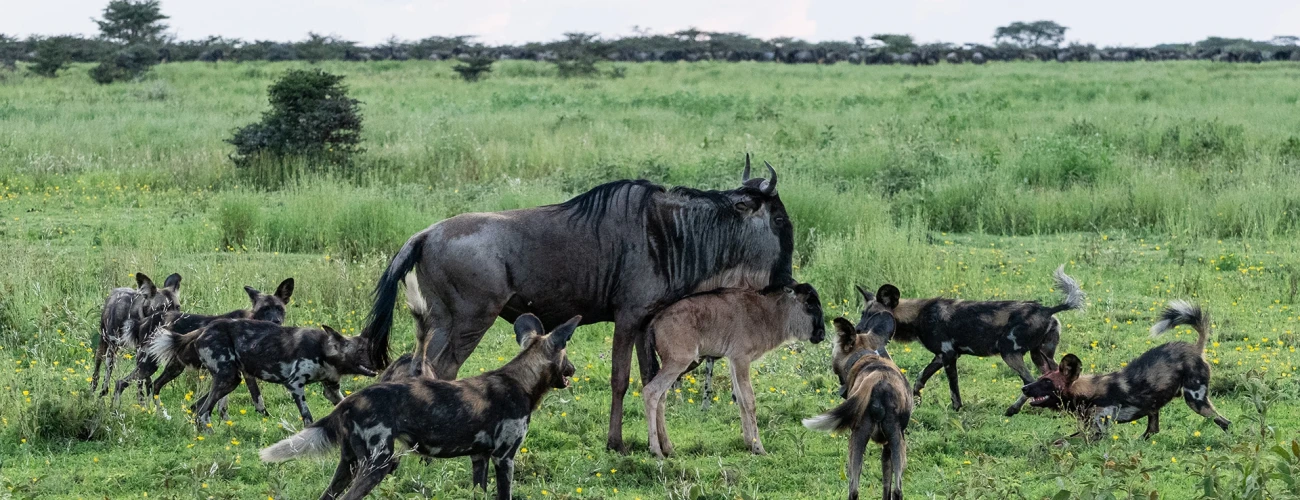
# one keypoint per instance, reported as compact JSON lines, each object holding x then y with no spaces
{"x":173,"y":282}
{"x":845,"y":332}
{"x":1071,"y":366}
{"x":285,"y":290}
{"x":881,"y":324}
{"x":252,"y":293}
{"x":888,"y":295}
{"x":745,"y":176}
{"x":144,"y":284}
{"x":526,"y":326}
{"x":331,"y":331}
{"x":867,"y":297}
{"x":560,"y":335}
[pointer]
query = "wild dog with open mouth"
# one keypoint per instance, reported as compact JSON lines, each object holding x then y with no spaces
{"x":1144,"y":386}
{"x":950,"y":328}
{"x":285,"y":355}
{"x":879,"y":403}
{"x":264,"y":307}
{"x":481,"y":417}
{"x":126,"y":316}
{"x":739,"y":324}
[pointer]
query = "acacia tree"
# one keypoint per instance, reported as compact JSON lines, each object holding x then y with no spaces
{"x":132,"y":22}
{"x":895,"y":44}
{"x":1029,"y":35}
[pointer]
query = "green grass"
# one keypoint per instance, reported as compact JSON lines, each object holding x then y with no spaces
{"x":1151,"y":181}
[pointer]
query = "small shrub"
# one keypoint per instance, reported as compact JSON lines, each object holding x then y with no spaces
{"x":52,"y":55}
{"x":126,"y":64}
{"x":238,"y":219}
{"x":1061,"y":162}
{"x":1290,"y":148}
{"x":311,"y":118}
{"x":62,"y":419}
{"x":474,"y":69}
{"x":577,"y":67}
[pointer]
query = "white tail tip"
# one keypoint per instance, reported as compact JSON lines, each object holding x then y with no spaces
{"x":824,"y":423}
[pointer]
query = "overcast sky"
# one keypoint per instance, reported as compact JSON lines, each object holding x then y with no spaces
{"x":1104,"y":22}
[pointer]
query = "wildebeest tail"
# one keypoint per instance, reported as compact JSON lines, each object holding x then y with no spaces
{"x":1182,"y":312}
{"x":167,"y":345}
{"x":380,"y":322}
{"x":317,"y":439}
{"x":1074,"y":296}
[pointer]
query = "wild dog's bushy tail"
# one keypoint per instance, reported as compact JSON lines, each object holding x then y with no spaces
{"x":317,"y":439}
{"x":380,"y":322}
{"x":167,"y":345}
{"x":840,"y":417}
{"x":1074,"y":296}
{"x":1182,"y":312}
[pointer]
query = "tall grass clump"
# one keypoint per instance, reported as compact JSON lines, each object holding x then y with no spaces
{"x":1059,"y":162}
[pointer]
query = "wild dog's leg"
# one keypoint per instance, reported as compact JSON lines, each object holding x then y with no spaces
{"x":222,"y":384}
{"x":223,"y":406}
{"x":654,"y":396}
{"x":950,"y":369}
{"x":928,"y":372}
{"x":1017,"y":362}
{"x":626,"y":332}
{"x":332,"y":391}
{"x":343,"y":473}
{"x":857,"y":449}
{"x":505,"y":474}
{"x":297,"y":389}
{"x":255,"y":392}
{"x":101,"y":351}
{"x":708,"y":382}
{"x":1197,"y":395}
{"x":887,"y":470}
{"x":110,"y":360}
{"x":1153,"y":424}
{"x":480,"y":463}
{"x":744,"y":390}
{"x":1044,"y":355}
{"x":170,"y":372}
{"x":373,"y":468}
{"x":897,"y":450}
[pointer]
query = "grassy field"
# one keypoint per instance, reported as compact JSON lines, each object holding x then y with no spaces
{"x":1151,"y":181}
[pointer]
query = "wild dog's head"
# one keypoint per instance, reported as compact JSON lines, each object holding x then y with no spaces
{"x":270,"y":307}
{"x":1052,"y":390}
{"x":348,"y":355}
{"x":151,"y":300}
{"x":806,"y":320}
{"x":872,"y":333}
{"x":546,"y":354}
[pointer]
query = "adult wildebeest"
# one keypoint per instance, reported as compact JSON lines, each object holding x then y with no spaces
{"x":616,"y":253}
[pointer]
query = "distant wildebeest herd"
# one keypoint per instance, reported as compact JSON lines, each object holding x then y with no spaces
{"x":686,"y":276}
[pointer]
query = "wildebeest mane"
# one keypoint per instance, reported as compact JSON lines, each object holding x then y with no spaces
{"x":593,"y":206}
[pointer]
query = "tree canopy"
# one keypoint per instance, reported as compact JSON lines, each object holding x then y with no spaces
{"x":133,"y":22}
{"x":1034,"y":34}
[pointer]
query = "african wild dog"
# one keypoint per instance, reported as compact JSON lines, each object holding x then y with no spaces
{"x":739,"y":324}
{"x":879,"y":403}
{"x":124,"y":319}
{"x":231,"y":349}
{"x":1143,"y":387}
{"x":483,"y":417}
{"x":264,"y":307}
{"x":950,"y":328}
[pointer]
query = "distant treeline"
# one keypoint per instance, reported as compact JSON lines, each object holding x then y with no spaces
{"x":686,"y":45}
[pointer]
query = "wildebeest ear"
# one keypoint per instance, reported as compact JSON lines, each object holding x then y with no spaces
{"x":252,"y":293}
{"x":173,"y":282}
{"x":560,"y":335}
{"x":285,"y":290}
{"x":867,"y":297}
{"x":844,"y":329}
{"x":527,"y":325}
{"x":1070,"y":367}
{"x":888,"y":295}
{"x":144,"y":284}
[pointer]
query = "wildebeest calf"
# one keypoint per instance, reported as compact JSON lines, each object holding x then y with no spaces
{"x":1143,"y":387}
{"x":264,"y":307}
{"x":483,"y":417}
{"x":286,"y":355}
{"x":950,"y":328}
{"x":738,"y":324}
{"x":124,"y":320}
{"x":878,"y":405}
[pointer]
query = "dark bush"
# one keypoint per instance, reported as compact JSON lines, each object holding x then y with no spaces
{"x":126,"y":64}
{"x":474,"y":69}
{"x":311,"y":118}
{"x":52,"y":54}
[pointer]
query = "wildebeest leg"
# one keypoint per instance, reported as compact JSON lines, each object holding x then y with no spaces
{"x":857,"y":449}
{"x":255,"y":392}
{"x":1153,"y":424}
{"x":332,"y":391}
{"x":374,"y":468}
{"x":950,"y":369}
{"x":296,"y":389}
{"x":451,"y":351}
{"x":619,"y":378}
{"x":897,"y":450}
{"x":343,"y":473}
{"x":744,"y":390}
{"x":480,"y":463}
{"x":170,"y":372}
{"x":928,"y":372}
{"x":1017,"y":362}
{"x":654,"y":395}
{"x":1197,"y":396}
{"x":708,"y":382}
{"x":505,"y":474}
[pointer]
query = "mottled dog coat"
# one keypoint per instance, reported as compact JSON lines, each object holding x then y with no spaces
{"x":483,"y":417}
{"x":1144,"y":386}
{"x":878,"y":402}
{"x":950,"y":328}
{"x":738,"y":324}
{"x":128,"y":316}
{"x":290,"y":356}
{"x":264,"y":307}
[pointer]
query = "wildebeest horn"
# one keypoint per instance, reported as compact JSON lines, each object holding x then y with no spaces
{"x":745,"y":176}
{"x":769,"y":185}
